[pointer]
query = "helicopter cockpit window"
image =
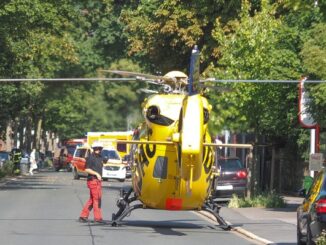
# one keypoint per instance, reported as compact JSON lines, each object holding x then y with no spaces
{"x":161,"y":168}
{"x":154,"y":116}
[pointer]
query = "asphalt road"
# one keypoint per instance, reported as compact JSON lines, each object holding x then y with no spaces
{"x":43,"y":209}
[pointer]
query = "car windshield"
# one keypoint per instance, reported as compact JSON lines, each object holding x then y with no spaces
{"x":230,"y":164}
{"x":4,"y":155}
{"x":110,"y":154}
{"x":71,"y":149}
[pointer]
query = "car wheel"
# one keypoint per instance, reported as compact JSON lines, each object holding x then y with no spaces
{"x":309,"y":236}
{"x":299,"y":235}
{"x":69,"y":167}
{"x":122,"y":180}
{"x":75,"y":174}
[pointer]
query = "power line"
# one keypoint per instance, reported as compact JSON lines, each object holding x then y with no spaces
{"x":135,"y":79}
{"x":260,"y":81}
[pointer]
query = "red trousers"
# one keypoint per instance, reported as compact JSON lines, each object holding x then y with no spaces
{"x":94,"y":201}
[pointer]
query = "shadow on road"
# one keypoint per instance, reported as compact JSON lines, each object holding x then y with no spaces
{"x":37,"y":181}
{"x":169,"y":227}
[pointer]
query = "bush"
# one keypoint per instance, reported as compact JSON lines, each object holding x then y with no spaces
{"x":263,"y":200}
{"x":321,"y":240}
{"x":48,"y":163}
{"x":7,"y":169}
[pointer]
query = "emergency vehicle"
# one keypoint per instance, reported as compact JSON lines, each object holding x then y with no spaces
{"x":63,"y":155}
{"x":113,"y":167}
{"x":110,"y":138}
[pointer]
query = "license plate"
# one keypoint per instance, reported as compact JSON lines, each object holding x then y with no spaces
{"x":224,"y":187}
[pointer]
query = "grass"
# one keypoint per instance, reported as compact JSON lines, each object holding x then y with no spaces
{"x":263,"y":200}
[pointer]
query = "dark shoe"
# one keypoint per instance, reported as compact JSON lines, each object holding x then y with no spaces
{"x":83,"y":219}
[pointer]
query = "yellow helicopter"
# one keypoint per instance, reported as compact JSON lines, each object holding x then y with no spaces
{"x":173,"y":155}
{"x":172,"y":152}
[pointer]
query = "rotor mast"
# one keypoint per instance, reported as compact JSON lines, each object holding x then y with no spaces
{"x":194,"y":70}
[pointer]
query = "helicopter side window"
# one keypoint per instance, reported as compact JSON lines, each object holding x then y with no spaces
{"x":161,"y":168}
{"x":206,"y":116}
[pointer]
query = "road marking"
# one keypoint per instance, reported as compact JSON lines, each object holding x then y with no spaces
{"x":236,"y":229}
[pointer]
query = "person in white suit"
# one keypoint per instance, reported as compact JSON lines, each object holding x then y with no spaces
{"x":33,"y":162}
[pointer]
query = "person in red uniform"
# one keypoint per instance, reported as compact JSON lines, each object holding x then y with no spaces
{"x":94,"y":165}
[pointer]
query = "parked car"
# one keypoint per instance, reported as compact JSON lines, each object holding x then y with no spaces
{"x":4,"y":156}
{"x":113,"y":167}
{"x":127,"y":160}
{"x":231,"y":179}
{"x":79,"y":162}
{"x":311,"y":214}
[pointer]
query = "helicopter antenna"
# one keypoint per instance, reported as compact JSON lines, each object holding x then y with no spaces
{"x":194,"y":70}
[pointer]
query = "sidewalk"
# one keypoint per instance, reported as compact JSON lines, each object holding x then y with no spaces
{"x":269,"y":226}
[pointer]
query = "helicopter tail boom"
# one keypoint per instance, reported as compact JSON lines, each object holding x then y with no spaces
{"x":192,"y":138}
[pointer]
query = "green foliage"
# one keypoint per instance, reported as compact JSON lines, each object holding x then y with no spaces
{"x":124,"y":98}
{"x":238,"y":40}
{"x":321,"y":240}
{"x":162,"y":33}
{"x":263,"y":200}
{"x":237,"y":202}
{"x":50,"y":39}
{"x":314,"y":53}
{"x":7,"y":169}
{"x":253,"y":48}
{"x":76,"y":111}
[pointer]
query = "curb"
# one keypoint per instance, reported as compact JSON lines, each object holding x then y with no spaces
{"x":238,"y":229}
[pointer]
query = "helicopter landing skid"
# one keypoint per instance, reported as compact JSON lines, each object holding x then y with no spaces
{"x":214,"y":209}
{"x":124,"y":206}
{"x":125,"y":209}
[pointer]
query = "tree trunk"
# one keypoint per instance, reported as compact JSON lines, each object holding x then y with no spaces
{"x":9,"y":143}
{"x":271,"y":186}
{"x":28,"y":135}
{"x":37,"y":135}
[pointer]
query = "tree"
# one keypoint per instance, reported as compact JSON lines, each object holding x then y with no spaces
{"x":313,"y":54}
{"x":253,"y":47}
{"x":162,"y":34}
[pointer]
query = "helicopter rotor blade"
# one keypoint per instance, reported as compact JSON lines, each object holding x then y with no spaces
{"x":93,"y":79}
{"x":141,"y":76}
{"x":133,"y":74}
{"x":147,"y":91}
